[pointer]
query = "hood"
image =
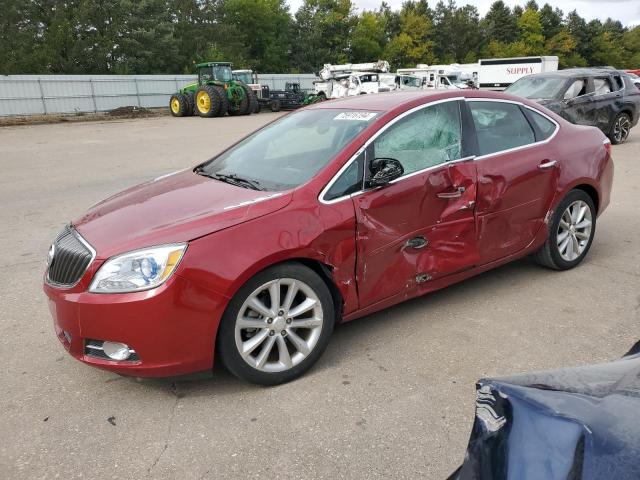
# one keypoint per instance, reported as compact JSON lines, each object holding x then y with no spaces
{"x":174,"y":208}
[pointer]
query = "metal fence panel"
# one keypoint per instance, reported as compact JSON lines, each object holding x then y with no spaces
{"x":62,"y":94}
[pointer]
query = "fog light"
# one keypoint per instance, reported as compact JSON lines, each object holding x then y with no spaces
{"x":116,"y":350}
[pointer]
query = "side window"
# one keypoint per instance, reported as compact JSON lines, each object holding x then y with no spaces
{"x":545,"y":126}
{"x":577,"y":88}
{"x":619,"y":83}
{"x":350,"y":181}
{"x":602,"y":86}
{"x":425,"y":138}
{"x":500,"y":126}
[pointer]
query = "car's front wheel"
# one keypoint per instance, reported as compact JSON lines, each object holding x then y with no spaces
{"x":571,"y":230}
{"x":277,"y":325}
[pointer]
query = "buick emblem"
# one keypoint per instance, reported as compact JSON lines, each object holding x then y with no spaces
{"x":52,"y":252}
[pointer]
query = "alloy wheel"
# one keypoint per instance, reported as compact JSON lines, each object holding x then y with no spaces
{"x":621,"y":128}
{"x":278,"y":325}
{"x":574,"y":230}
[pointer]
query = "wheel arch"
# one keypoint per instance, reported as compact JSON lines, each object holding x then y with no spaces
{"x":592,"y":192}
{"x":322,"y":269}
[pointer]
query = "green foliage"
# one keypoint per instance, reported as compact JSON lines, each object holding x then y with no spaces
{"x":171,"y":36}
{"x":414,"y":43}
{"x":368,"y":37}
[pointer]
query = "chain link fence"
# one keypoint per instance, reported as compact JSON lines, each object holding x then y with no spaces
{"x":68,"y":94}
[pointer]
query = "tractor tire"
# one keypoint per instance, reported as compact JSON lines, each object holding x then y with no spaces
{"x":258,"y":107}
{"x":253,"y":100}
{"x":224,"y":101}
{"x":243,"y":107}
{"x":207,"y":101}
{"x":191,"y":99}
{"x":179,"y":105}
{"x":275,"y":105}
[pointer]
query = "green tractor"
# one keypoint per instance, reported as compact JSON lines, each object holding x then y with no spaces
{"x":214,"y":95}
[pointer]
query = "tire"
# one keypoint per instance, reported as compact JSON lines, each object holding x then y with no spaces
{"x":191,"y":100}
{"x":224,"y":101}
{"x":554,"y":254}
{"x":208,"y":101}
{"x":620,"y":129}
{"x":258,"y":107}
{"x":179,"y":105}
{"x":253,"y":101}
{"x":243,"y":107}
{"x":275,"y":105}
{"x":266,"y":364}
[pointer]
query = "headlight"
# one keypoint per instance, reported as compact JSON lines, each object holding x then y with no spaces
{"x":138,"y":270}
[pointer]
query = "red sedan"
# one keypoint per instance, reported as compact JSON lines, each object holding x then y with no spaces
{"x":323,"y":216}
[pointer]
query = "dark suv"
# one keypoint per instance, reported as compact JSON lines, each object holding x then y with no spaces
{"x":600,"y":97}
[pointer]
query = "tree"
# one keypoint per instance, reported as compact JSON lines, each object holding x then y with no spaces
{"x":531,"y":38}
{"x":414,"y":43}
{"x":631,"y":44}
{"x":322,"y":33}
{"x":146,"y":43}
{"x":499,"y":24}
{"x":563,"y":45}
{"x":264,"y":26}
{"x":458,"y":32}
{"x":368,"y":37}
{"x":551,"y":20}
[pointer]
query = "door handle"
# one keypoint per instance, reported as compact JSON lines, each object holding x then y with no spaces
{"x":416,"y":243}
{"x":547,"y":165}
{"x":455,"y":194}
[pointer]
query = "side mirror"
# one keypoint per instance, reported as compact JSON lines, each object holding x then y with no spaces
{"x":384,"y":171}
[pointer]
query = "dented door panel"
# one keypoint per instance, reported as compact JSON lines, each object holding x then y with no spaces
{"x":514,"y":195}
{"x":390,"y":218}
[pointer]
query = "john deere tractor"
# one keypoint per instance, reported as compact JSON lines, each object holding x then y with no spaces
{"x":214,"y":95}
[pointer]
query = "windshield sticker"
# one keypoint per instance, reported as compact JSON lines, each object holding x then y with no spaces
{"x":357,"y":116}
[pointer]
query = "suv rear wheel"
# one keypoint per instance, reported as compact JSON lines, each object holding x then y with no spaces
{"x":620,"y":129}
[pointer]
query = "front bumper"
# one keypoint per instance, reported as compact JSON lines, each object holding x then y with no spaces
{"x":172,"y":328}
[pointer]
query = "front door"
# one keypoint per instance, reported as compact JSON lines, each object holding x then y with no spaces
{"x":517,"y":177}
{"x":421,"y":226}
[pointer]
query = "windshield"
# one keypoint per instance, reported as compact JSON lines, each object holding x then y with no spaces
{"x":290,"y":151}
{"x":535,"y":87}
{"x":243,"y":77}
{"x":222,"y":73}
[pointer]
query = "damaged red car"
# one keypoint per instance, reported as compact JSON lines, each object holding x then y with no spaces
{"x":323,"y":216}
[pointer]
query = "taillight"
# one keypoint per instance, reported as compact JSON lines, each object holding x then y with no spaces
{"x":607,"y":145}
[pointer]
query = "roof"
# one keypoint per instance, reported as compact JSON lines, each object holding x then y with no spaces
{"x":402,"y":100}
{"x":211,"y":64}
{"x":577,"y":72}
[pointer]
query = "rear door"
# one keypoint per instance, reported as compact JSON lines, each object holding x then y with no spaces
{"x":604,"y":102}
{"x":421,"y":226}
{"x":517,"y":175}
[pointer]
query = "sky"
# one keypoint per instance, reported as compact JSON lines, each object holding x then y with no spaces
{"x":627,"y":11}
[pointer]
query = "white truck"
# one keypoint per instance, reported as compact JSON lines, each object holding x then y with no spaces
{"x":434,"y":76}
{"x":351,"y":79}
{"x":499,"y":73}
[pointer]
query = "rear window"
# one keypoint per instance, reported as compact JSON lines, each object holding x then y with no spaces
{"x":500,"y":126}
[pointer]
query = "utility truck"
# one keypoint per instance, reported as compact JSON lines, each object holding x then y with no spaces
{"x":350,"y":79}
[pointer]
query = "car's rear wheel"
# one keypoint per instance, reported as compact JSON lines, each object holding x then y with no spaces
{"x":620,"y":129}
{"x":571,"y":231}
{"x":277,"y":325}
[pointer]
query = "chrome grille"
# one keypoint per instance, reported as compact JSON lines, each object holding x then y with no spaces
{"x":71,"y":258}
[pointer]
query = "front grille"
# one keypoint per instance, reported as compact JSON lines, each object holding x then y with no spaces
{"x":71,"y":258}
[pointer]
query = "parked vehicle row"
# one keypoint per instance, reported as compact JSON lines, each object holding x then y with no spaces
{"x":328,"y":214}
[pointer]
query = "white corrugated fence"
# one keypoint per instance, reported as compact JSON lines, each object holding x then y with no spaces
{"x":63,"y":94}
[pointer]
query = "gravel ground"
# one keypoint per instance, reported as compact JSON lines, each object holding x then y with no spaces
{"x":393,"y":395}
